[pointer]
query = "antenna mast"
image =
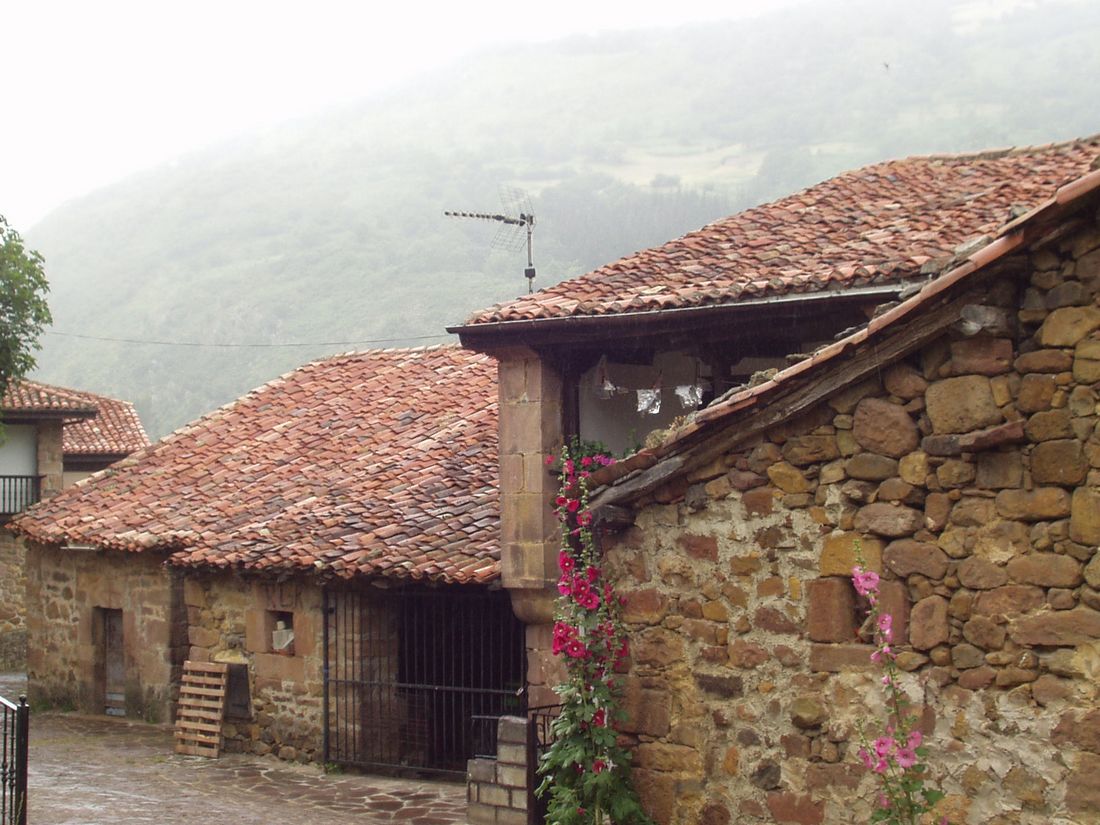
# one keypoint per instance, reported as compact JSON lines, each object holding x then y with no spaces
{"x":510,"y":227}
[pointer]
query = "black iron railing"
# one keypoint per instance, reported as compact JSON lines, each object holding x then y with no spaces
{"x":17,"y":493}
{"x":540,"y":735}
{"x":15,"y":720}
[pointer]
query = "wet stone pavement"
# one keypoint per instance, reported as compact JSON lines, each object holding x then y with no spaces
{"x":86,"y":770}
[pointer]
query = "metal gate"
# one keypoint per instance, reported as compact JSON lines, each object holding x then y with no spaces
{"x":14,"y":727}
{"x":410,"y":673}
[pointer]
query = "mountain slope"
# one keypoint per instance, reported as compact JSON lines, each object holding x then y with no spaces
{"x":330,"y":229}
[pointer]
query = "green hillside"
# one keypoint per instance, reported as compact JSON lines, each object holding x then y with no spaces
{"x":330,"y":229}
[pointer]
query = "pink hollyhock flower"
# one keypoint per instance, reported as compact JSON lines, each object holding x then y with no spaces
{"x":886,"y":626}
{"x":589,"y":601}
{"x":883,"y":745}
{"x":566,"y":563}
{"x":865,"y":581}
{"x":586,"y":461}
{"x":905,"y":758}
{"x":549,"y":460}
{"x":568,"y":467}
{"x":881,"y":766}
{"x":565,"y":587}
{"x":592,"y":573}
{"x":575,"y":649}
{"x":573,"y":505}
{"x":598,"y":766}
{"x":584,"y":519}
{"x":599,"y":718}
{"x":915,"y":739}
{"x":866,"y":758}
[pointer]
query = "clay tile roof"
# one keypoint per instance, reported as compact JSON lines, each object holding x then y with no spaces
{"x":35,"y":399}
{"x":862,"y":228}
{"x":628,"y":479}
{"x":116,"y":429}
{"x":379,"y":463}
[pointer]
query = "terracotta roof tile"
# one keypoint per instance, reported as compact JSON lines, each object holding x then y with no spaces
{"x":379,"y":463}
{"x":744,"y":402}
{"x":869,"y":226}
{"x":115,"y":430}
{"x":34,"y":398}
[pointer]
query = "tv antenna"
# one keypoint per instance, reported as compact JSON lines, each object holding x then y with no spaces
{"x":511,"y":233}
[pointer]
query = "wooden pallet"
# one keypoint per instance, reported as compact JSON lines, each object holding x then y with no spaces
{"x":201,"y":707}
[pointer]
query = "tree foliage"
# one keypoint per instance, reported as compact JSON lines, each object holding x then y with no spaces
{"x":24,"y":313}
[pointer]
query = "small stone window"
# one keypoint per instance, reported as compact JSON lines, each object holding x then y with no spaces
{"x":281,"y":631}
{"x":238,"y":699}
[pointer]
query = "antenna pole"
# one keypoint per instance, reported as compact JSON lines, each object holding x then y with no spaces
{"x":529,"y":272}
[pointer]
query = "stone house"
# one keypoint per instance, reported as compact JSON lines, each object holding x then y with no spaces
{"x":952,"y":435}
{"x":332,"y":536}
{"x":52,"y":436}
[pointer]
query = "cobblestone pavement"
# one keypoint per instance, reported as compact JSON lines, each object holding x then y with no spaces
{"x":87,"y":770}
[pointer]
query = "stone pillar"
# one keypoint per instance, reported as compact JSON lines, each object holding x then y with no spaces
{"x":496,"y":789}
{"x":530,"y":400}
{"x":50,"y":457}
{"x":530,"y":430}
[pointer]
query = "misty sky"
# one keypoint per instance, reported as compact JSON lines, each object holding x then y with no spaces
{"x":96,"y":91}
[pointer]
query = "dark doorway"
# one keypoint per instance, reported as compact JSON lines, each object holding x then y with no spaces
{"x":114,"y":667}
{"x":410,"y":674}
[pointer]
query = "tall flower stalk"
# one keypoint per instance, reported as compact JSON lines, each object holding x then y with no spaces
{"x":586,"y":771}
{"x":896,"y":756}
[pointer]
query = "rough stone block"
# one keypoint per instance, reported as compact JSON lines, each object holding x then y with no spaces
{"x":834,"y":658}
{"x":838,"y":555}
{"x":1064,"y":628}
{"x":1008,"y":600}
{"x":512,"y":730}
{"x":928,"y":623}
{"x":891,"y":520}
{"x":480,"y":770}
{"x":1060,"y":461}
{"x":1036,"y":392}
{"x":1066,"y":326}
{"x":831,"y":611}
{"x":981,"y":356}
{"x":884,"y":428}
{"x":906,"y":556}
{"x":1040,"y":504}
{"x":1045,"y":570}
{"x":1084,"y":525}
{"x":958,"y":405}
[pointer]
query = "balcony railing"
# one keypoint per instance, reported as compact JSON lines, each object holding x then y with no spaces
{"x":17,"y":493}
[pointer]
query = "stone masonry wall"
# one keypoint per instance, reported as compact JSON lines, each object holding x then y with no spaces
{"x":496,"y":789}
{"x":65,"y":658}
{"x":970,"y":473}
{"x":229,"y":620}
{"x":13,"y":580}
{"x":13,"y":587}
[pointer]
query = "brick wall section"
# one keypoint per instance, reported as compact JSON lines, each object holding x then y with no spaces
{"x":496,"y":789}
{"x":228,"y":622}
{"x":64,"y":660}
{"x":970,"y":473}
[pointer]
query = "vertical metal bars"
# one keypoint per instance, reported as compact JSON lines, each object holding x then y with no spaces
{"x":540,"y":736}
{"x":14,"y":739}
{"x":17,"y":493}
{"x":408,"y":671}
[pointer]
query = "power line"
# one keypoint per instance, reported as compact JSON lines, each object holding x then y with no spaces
{"x":221,"y":345}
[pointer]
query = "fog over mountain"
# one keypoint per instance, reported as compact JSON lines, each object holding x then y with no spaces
{"x":330,"y":229}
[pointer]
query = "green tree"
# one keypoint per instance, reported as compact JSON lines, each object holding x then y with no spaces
{"x":24,"y":313}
